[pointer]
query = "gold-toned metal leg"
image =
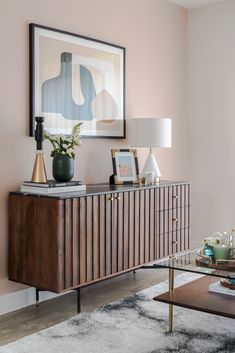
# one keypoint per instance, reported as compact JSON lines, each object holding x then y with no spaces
{"x":171,"y":288}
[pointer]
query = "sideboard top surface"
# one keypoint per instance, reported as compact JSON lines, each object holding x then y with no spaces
{"x":105,"y":188}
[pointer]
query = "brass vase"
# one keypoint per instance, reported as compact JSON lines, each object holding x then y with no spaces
{"x":39,"y":170}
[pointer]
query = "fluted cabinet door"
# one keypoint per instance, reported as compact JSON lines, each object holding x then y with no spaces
{"x":120,"y":233}
{"x":144,"y":224}
{"x":131,"y":229}
{"x":108,"y":234}
{"x":136,"y":228}
{"x":124,"y":203}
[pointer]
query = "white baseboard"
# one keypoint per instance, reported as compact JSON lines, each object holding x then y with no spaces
{"x":20,"y":299}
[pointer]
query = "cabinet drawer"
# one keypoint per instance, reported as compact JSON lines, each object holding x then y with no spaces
{"x":178,"y":240}
{"x":172,"y":197}
{"x":172,"y":242}
{"x":166,"y":244}
{"x":179,"y":196}
{"x":173,"y":219}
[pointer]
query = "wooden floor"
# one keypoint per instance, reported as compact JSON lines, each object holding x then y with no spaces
{"x":26,"y":321}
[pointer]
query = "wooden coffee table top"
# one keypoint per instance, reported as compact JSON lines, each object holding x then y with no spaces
{"x":195,"y":295}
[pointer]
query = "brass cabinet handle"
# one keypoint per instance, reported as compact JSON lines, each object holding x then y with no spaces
{"x":175,"y":197}
{"x":175,"y":219}
{"x":111,"y":198}
{"x":174,"y":242}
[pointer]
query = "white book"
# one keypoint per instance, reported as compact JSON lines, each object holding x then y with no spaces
{"x":54,"y":190}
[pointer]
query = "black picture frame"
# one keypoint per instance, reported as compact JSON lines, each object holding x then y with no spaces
{"x":125,"y":166}
{"x":104,"y":106}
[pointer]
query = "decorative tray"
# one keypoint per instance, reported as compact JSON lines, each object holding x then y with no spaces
{"x":206,"y":261}
{"x":227,"y":283}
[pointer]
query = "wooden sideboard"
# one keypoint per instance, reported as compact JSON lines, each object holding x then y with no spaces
{"x":65,"y":241}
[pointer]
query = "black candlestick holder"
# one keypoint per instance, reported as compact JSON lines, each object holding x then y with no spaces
{"x":39,"y":170}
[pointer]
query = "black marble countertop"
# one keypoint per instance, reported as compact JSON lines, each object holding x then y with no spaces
{"x":105,"y":188}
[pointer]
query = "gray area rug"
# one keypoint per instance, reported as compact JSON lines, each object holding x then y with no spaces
{"x":136,"y":324}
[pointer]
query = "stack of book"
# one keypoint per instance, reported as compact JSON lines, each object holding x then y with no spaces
{"x":51,"y":187}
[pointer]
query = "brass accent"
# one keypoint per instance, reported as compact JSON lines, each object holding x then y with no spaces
{"x":156,"y":180}
{"x":117,"y":181}
{"x":171,"y":288}
{"x":117,"y":198}
{"x":175,"y":197}
{"x":175,"y":219}
{"x":39,"y":170}
{"x":110,"y":198}
{"x":108,"y":121}
{"x":113,"y":151}
{"x":134,"y":151}
{"x":174,"y":242}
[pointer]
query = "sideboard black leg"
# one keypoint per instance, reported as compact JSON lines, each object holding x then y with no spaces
{"x":78,"y":300}
{"x":37,"y":296}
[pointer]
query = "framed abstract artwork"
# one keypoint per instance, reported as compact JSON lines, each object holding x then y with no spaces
{"x":76,"y":79}
{"x":125,"y":166}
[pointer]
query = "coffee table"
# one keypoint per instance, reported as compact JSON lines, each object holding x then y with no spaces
{"x":195,"y":295}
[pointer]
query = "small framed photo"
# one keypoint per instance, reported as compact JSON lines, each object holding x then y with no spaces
{"x":125,"y":166}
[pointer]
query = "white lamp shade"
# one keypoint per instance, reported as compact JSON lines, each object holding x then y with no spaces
{"x":151,"y":132}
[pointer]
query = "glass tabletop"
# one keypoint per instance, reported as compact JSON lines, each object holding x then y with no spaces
{"x":195,"y":261}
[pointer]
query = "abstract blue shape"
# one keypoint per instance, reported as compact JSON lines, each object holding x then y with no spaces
{"x":57,"y":92}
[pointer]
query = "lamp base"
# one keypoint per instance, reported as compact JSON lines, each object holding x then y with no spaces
{"x":151,"y":166}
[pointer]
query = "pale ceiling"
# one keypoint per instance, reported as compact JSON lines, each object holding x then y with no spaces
{"x":190,"y":4}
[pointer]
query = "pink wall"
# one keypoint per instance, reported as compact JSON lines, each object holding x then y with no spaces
{"x":211,"y":87}
{"x":154,"y":33}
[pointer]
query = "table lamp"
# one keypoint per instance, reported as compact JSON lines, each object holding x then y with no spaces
{"x":151,"y":132}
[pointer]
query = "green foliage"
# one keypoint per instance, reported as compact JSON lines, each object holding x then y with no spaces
{"x":63,"y":145}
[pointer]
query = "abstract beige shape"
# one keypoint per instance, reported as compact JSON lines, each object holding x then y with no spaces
{"x":109,"y":127}
{"x":104,"y":106}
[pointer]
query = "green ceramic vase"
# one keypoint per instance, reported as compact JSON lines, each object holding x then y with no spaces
{"x":63,"y":168}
